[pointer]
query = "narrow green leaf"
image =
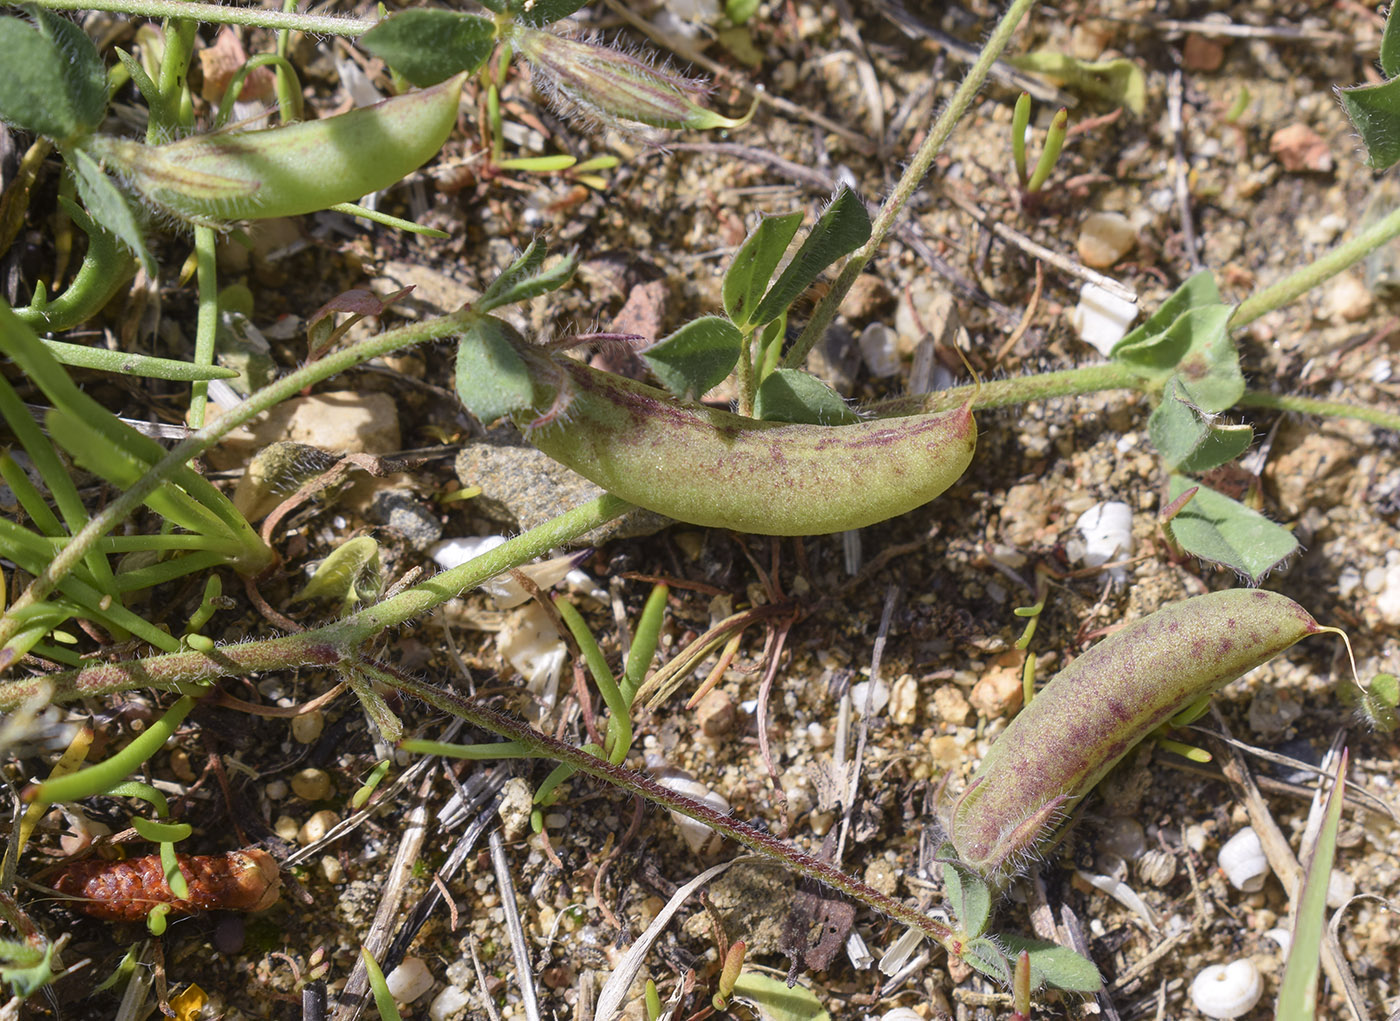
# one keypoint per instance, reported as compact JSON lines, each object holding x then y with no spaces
{"x":843,"y":228}
{"x":776,"y":1002}
{"x":1224,"y":531}
{"x":383,"y":999}
{"x":1390,"y":45}
{"x":525,"y":278}
{"x":108,"y":206}
{"x":791,"y":395}
{"x":1375,"y":113}
{"x":697,"y":357}
{"x":542,"y":12}
{"x":1052,"y":964}
{"x":1297,"y":994}
{"x":492,"y":378}
{"x":967,"y":895}
{"x":753,"y":266}
{"x":428,"y":45}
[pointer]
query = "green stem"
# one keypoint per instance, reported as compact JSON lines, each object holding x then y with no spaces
{"x":146,"y":366}
{"x":618,"y":776}
{"x":1327,"y":409}
{"x":1303,"y":280}
{"x":909,"y":181}
{"x":218,"y":14}
{"x":324,"y":646}
{"x":206,"y":319}
{"x":1005,"y":393}
{"x":179,"y":456}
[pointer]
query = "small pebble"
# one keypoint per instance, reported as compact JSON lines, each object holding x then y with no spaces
{"x":1104,"y":238}
{"x":951,"y":705}
{"x":878,"y":348}
{"x":276,"y":790}
{"x":715,"y":713}
{"x":517,"y":803}
{"x":997,"y":693}
{"x":286,"y":828}
{"x":1201,"y":53}
{"x":1123,"y":835}
{"x":878,"y":698}
{"x":180,"y":765}
{"x":409,"y":980}
{"x":448,"y":1004}
{"x":332,"y":869}
{"x":312,"y":784}
{"x":904,"y":700}
{"x":307,"y":727}
{"x":1300,"y":148}
{"x":317,"y":826}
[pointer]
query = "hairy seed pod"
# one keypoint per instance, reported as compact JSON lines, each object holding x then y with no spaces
{"x":289,"y":169}
{"x":1098,"y":708}
{"x":709,"y":467}
{"x":125,"y":891}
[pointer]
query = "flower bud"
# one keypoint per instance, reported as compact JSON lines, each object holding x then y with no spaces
{"x":610,"y":87}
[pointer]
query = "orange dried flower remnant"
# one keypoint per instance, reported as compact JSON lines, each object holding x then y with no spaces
{"x":125,"y":891}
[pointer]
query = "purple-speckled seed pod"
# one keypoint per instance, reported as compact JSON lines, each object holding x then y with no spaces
{"x":1094,"y":711}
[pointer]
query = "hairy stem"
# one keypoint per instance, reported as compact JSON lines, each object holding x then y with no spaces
{"x":1327,"y":409}
{"x":619,"y":776}
{"x":909,"y":181}
{"x":1303,"y":280}
{"x":219,"y":14}
{"x":1005,"y":393}
{"x":324,"y":646}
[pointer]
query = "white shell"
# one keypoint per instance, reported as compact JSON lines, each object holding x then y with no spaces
{"x":1108,"y":532}
{"x":698,"y":837}
{"x":1102,"y":318}
{"x":1243,"y":862}
{"x":1227,"y":990}
{"x":901,"y":1014}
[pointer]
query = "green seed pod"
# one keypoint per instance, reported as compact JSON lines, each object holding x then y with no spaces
{"x":1099,"y":707}
{"x":288,"y":170}
{"x":708,"y":467}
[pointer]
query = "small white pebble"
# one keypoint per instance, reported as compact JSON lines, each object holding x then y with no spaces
{"x":880,"y":697}
{"x":1227,"y":990}
{"x":1243,"y":862}
{"x":1341,"y":887}
{"x":1195,"y":837}
{"x":901,"y":1014}
{"x":276,"y":790}
{"x":448,"y":1003}
{"x":409,"y":980}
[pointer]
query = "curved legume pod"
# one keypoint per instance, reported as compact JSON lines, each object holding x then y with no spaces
{"x":709,"y":467}
{"x":1098,"y":708}
{"x":289,"y":169}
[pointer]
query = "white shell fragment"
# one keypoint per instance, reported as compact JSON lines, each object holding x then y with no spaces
{"x":1243,"y":862}
{"x":1107,"y":528}
{"x":409,"y":980}
{"x":1227,"y":990}
{"x":503,"y":588}
{"x":698,"y":837}
{"x":1102,"y":318}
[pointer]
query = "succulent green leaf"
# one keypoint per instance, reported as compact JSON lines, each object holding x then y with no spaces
{"x":428,"y":45}
{"x":542,"y":12}
{"x":843,"y":228}
{"x":492,"y":379}
{"x":1297,"y":995}
{"x":1390,"y":45}
{"x":986,"y":956}
{"x":1377,"y":702}
{"x":1197,"y":290}
{"x":697,"y":357}
{"x":54,"y":82}
{"x":748,"y":275}
{"x":524,"y":278}
{"x":1224,"y":531}
{"x":1186,"y":437}
{"x":776,"y":1002}
{"x":967,"y":894}
{"x":1054,"y":965}
{"x":108,"y":206}
{"x":1375,"y":113}
{"x":791,"y":395}
{"x":1118,"y":81}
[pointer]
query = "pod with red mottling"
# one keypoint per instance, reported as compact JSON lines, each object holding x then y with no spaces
{"x":709,"y":467}
{"x":1099,"y":707}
